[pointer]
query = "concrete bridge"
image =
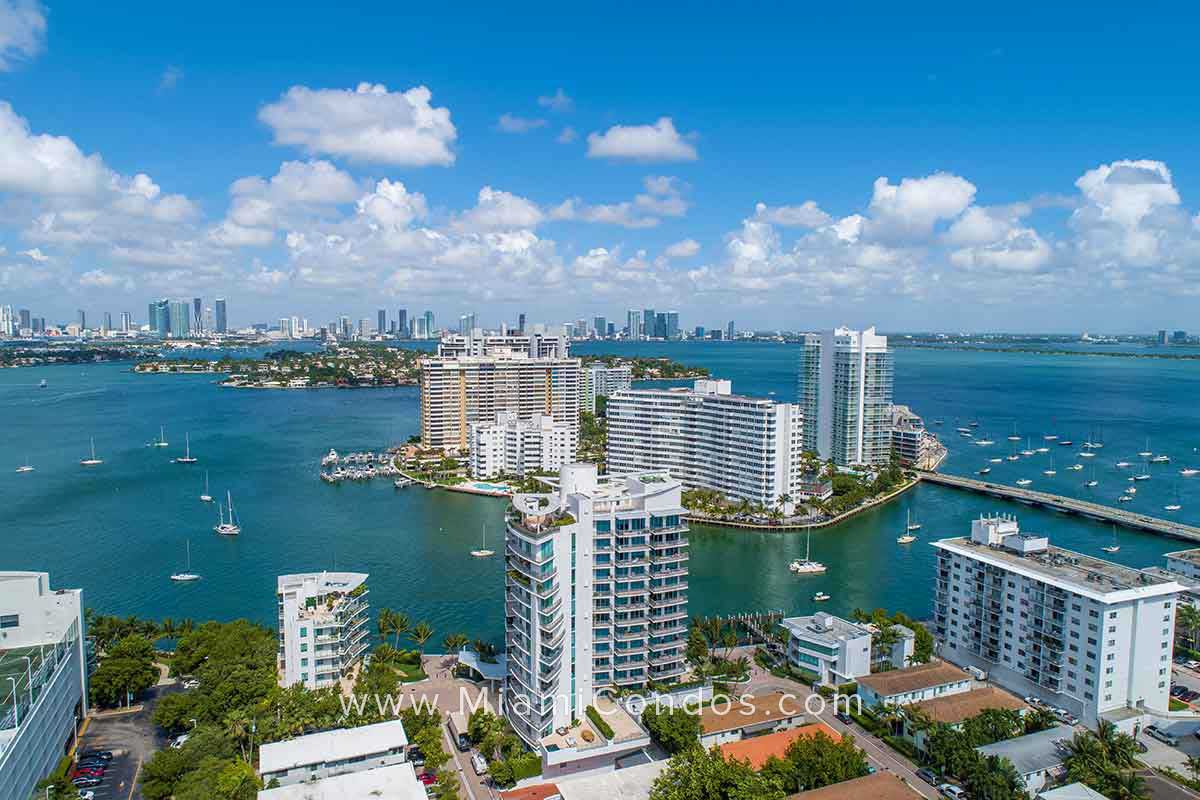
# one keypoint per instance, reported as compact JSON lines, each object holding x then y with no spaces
{"x":1069,"y":505}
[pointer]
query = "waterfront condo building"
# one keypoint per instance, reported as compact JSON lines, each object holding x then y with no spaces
{"x":44,"y":695}
{"x":1088,"y":635}
{"x":602,"y":381}
{"x":512,"y":446}
{"x":595,"y":593}
{"x":912,"y":443}
{"x":746,"y":448}
{"x":323,"y":626}
{"x":535,"y":344}
{"x":839,"y":651}
{"x":844,"y":385}
{"x":457,"y":391}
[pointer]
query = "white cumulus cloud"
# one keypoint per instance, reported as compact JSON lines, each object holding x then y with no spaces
{"x":684,"y":249}
{"x":657,"y":142}
{"x":22,"y":31}
{"x":367,"y":123}
{"x":559,"y":101}
{"x":806,"y":215}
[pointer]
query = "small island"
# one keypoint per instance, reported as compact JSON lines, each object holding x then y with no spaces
{"x":348,"y":366}
{"x":647,"y":369}
{"x":73,"y":353}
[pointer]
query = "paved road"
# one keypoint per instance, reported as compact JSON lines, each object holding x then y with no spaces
{"x":445,"y":692}
{"x":1161,"y":788}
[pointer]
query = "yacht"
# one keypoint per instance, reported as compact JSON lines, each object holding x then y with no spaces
{"x":1147,"y":452}
{"x":807,"y":566}
{"x":996,"y":460}
{"x":1145,"y":476}
{"x":1050,"y":437}
{"x":1124,"y":464}
{"x":1013,"y":457}
{"x":984,"y":442}
{"x":820,"y":597}
{"x":1087,"y":454}
{"x":1161,"y":460}
{"x":93,"y":461}
{"x":1174,"y":505}
{"x":973,"y":424}
{"x":330,"y":458}
{"x":963,"y":430}
{"x":206,"y":497}
{"x":1065,"y":443}
{"x":483,"y":552}
{"x":187,"y":452}
{"x":1188,"y":472}
{"x":1023,"y":482}
{"x":1131,"y":490}
{"x":187,"y":574}
{"x":25,"y":468}
{"x":1075,"y":467}
{"x":983,"y":471}
{"x":161,"y":441}
{"x":1041,"y":450}
{"x":230,"y":528}
{"x":1093,"y":481}
{"x":1125,"y":498}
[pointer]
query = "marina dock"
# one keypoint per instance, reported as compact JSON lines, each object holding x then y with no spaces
{"x":1069,"y":505}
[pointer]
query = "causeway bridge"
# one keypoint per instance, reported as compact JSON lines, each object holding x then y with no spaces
{"x":1069,"y":505}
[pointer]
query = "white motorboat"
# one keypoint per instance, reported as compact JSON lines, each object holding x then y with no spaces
{"x":1075,"y":467}
{"x":187,"y":457}
{"x":1041,"y":450}
{"x":93,"y":461}
{"x":1124,"y":464}
{"x":1050,"y":437}
{"x":984,"y":442}
{"x":1065,"y":443}
{"x":1125,"y":498}
{"x":983,"y":471}
{"x":807,"y":566}
{"x":1087,"y":454}
{"x":187,"y":574}
{"x":820,"y":597}
{"x":1114,"y":547}
{"x":206,"y":497}
{"x":230,"y":527}
{"x":996,"y":460}
{"x":330,"y":458}
{"x":1131,"y":490}
{"x":1023,"y":482}
{"x":1161,"y":459}
{"x":1188,"y":472}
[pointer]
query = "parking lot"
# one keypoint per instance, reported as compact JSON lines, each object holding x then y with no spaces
{"x":132,"y":738}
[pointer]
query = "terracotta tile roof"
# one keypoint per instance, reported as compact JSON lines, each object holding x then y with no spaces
{"x":954,"y":708}
{"x":750,"y":710}
{"x":757,"y":749}
{"x":913,"y":679}
{"x":880,"y":786}
{"x":541,"y":791}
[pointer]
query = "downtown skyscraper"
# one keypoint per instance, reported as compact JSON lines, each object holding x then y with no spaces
{"x":222,"y":322}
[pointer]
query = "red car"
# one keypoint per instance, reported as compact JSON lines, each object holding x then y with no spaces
{"x":427,"y":778}
{"x":88,"y":772}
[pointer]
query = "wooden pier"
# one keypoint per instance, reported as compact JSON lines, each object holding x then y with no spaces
{"x":1069,"y":505}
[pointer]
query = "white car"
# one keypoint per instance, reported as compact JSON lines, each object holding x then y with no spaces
{"x":191,"y":684}
{"x":87,"y":794}
{"x":952,"y":791}
{"x":1192,"y":664}
{"x":478,"y":764}
{"x":179,"y":741}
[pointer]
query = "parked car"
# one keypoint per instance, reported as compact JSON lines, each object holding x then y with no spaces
{"x":1180,"y":660}
{"x":1030,"y":700}
{"x":427,"y":778}
{"x":843,"y":717}
{"x":85,"y":782}
{"x":464,"y":743}
{"x":1177,"y":690}
{"x":105,"y":754}
{"x":951,"y":791}
{"x":1192,"y":664}
{"x":179,"y":741}
{"x":478,"y":764}
{"x":928,"y":775}
{"x":87,"y":794}
{"x":191,"y":684}
{"x":416,"y":757}
{"x":1155,"y":732}
{"x":97,"y":772}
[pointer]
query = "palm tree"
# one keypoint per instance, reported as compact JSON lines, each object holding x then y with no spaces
{"x":421,"y":633}
{"x":729,"y":640}
{"x":454,"y":642}
{"x":401,"y":625}
{"x":384,"y":623}
{"x":237,"y":727}
{"x":1193,"y":766}
{"x":1127,"y":786}
{"x":1187,"y":621}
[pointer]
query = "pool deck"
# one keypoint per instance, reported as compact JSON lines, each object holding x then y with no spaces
{"x":471,"y":488}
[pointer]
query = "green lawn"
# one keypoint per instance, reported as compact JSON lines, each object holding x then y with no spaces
{"x":410,"y":672}
{"x":1177,"y":705}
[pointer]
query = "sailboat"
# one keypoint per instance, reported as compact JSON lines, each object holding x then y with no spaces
{"x":807,"y":566}
{"x":1147,"y":452}
{"x":162,"y":438}
{"x":907,"y":537}
{"x":1028,"y":451}
{"x":93,"y":461}
{"x":1013,"y":437}
{"x":912,"y":526}
{"x":1114,"y":547}
{"x":1051,"y":470}
{"x":26,"y":467}
{"x":483,"y":552}
{"x":206,"y":497}
{"x":1174,"y":505}
{"x":187,"y":452}
{"x":230,"y":528}
{"x":187,"y":574}
{"x":1142,"y":476}
{"x":1093,"y":481}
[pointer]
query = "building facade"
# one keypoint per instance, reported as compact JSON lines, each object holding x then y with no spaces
{"x":911,"y":442}
{"x":323,"y":626}
{"x":512,"y":446}
{"x":844,"y":385}
{"x":508,"y":345}
{"x":222,"y":320}
{"x":602,"y":381}
{"x":1086,"y":634}
{"x":595,"y":593}
{"x":326,"y":754}
{"x":45,"y":694}
{"x":457,"y":392}
{"x":709,"y":438}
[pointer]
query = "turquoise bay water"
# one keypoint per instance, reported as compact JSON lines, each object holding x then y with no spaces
{"x":119,"y":530}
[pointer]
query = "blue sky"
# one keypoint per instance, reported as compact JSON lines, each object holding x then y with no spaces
{"x":1031,"y":169}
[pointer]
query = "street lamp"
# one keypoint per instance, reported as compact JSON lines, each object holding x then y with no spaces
{"x":29,"y":677}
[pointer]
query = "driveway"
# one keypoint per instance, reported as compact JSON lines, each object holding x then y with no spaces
{"x":132,"y":738}
{"x":443,"y":691}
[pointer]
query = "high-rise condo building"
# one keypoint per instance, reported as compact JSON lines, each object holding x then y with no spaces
{"x":381,"y":322}
{"x":595,"y":591}
{"x":8,"y":325}
{"x":746,"y":448}
{"x":671,"y":325}
{"x":45,"y":694}
{"x":536,"y":344}
{"x":430,"y":327}
{"x":106,"y":326}
{"x":323,"y":626}
{"x":511,"y":446}
{"x":285,"y":327}
{"x":844,"y":385}
{"x":81,"y":319}
{"x":601,"y":381}
{"x":731,"y":331}
{"x":25,"y":317}
{"x":648,"y":320}
{"x":466,"y":324}
{"x":600,"y":327}
{"x":457,"y":391}
{"x":126,"y":322}
{"x":633,"y":324}
{"x":1088,"y":635}
{"x":222,"y":320}
{"x":197,"y":315}
{"x":402,"y":323}
{"x":521,"y":322}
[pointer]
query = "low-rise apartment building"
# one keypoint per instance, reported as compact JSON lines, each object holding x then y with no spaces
{"x":323,"y":626}
{"x":329,"y":753}
{"x":512,"y":446}
{"x":900,"y":687}
{"x":839,"y":651}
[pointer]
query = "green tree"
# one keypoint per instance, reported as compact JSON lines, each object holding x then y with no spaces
{"x":697,"y":774}
{"x":697,"y":648}
{"x":421,"y":633}
{"x":453,"y":642}
{"x":675,"y":729}
{"x":125,"y":671}
{"x":816,"y":761}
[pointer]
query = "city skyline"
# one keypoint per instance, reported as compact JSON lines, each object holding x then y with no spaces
{"x":754,"y":184}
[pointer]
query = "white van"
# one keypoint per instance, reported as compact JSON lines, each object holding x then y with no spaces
{"x":478,"y":764}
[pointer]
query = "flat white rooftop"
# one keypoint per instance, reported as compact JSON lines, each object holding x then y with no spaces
{"x":397,"y":782}
{"x":335,"y":745}
{"x":323,"y":581}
